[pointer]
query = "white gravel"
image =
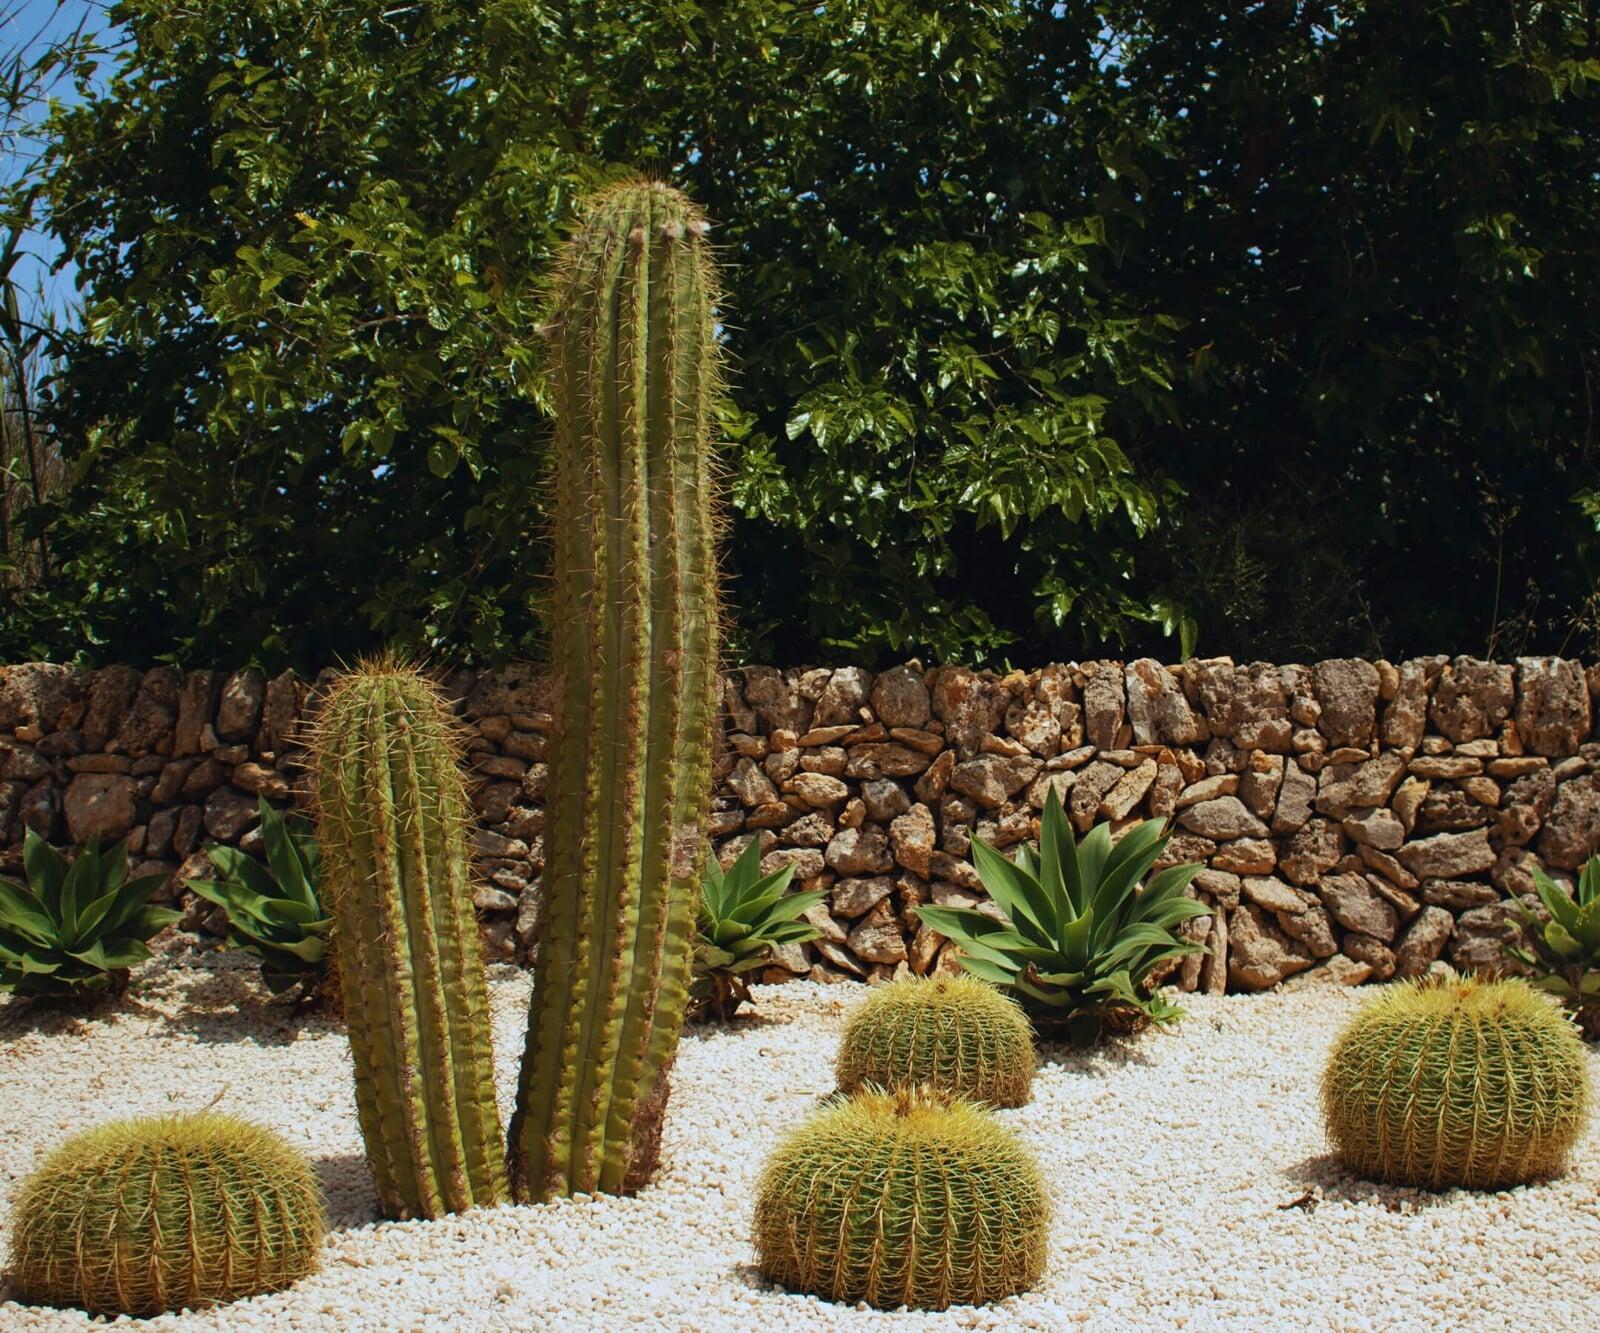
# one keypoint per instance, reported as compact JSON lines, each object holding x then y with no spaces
{"x":1190,"y":1176}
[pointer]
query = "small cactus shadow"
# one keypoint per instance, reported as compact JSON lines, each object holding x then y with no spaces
{"x":347,"y":1188}
{"x":1324,"y":1178}
{"x":223,"y":1002}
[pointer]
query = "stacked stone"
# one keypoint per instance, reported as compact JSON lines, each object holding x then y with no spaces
{"x":1357,"y":820}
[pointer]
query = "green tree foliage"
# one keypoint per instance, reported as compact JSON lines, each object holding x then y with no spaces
{"x":1053,"y":327}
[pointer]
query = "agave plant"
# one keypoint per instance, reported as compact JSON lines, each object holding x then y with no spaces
{"x":273,"y":910}
{"x":1564,"y":952}
{"x":743,"y":916}
{"x":1082,"y":936}
{"x":75,"y":928}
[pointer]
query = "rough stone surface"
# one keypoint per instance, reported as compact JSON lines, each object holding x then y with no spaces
{"x":1357,"y":808}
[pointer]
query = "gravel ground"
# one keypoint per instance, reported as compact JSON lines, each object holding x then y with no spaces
{"x":1191,"y":1180}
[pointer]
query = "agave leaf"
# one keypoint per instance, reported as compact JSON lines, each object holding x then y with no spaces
{"x":1093,"y":853}
{"x":1128,"y":863}
{"x":986,"y":970}
{"x":981,"y":934}
{"x":22,"y":913}
{"x":750,"y":906}
{"x":1560,"y":907}
{"x":1589,"y":881}
{"x":1587,"y":930}
{"x":46,"y":871}
{"x":1164,"y":886}
{"x":1020,"y":895}
{"x":1053,"y":824}
{"x":110,"y":955}
{"x":131,"y":900}
{"x":282,"y":857}
{"x":243,"y":869}
{"x":1561,"y":943}
{"x":1075,"y":938}
{"x":792,"y":932}
{"x":791,"y":906}
{"x":80,"y":888}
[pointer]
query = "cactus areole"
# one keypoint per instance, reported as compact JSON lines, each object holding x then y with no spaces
{"x":633,"y":627}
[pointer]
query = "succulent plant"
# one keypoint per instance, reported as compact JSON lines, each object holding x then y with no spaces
{"x":273,"y":910}
{"x":902,"y":1198}
{"x":1081,"y":936}
{"x":1473,"y":1083}
{"x":743,"y":916}
{"x":1564,"y":952}
{"x":633,"y":629}
{"x":955,"y":1034}
{"x":74,"y":929}
{"x":393,"y":815}
{"x":164,"y":1213}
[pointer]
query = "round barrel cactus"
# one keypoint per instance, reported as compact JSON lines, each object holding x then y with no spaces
{"x":165,"y":1213}
{"x":1471,"y":1083}
{"x":953,"y":1033}
{"x":902,"y":1198}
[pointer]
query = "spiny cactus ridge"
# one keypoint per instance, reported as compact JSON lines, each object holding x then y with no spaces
{"x":953,"y":1033}
{"x":633,"y":628}
{"x":1480,"y":1084}
{"x":393,"y":817}
{"x":902,"y":1198}
{"x":163,"y":1213}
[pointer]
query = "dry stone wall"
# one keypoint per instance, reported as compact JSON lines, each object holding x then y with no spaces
{"x":1357,"y":820}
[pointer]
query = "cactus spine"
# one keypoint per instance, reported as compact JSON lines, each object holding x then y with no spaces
{"x":393,"y":816}
{"x":633,"y":625}
{"x":955,"y":1034}
{"x":1467,"y":1083}
{"x":902,"y":1198}
{"x":161,"y":1213}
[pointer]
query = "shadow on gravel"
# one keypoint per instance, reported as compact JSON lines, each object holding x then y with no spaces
{"x":219,"y":1002}
{"x":347,"y":1187}
{"x":61,"y":1018}
{"x":1112,"y":1055}
{"x":1324,"y":1179}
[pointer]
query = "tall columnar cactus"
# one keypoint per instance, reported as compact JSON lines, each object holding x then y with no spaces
{"x":633,"y":627}
{"x":140,"y":1216}
{"x":1469,"y":1083}
{"x":902,"y":1198}
{"x":953,"y":1033}
{"x":393,"y":816}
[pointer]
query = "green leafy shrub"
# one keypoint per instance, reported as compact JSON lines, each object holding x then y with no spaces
{"x":957,"y":1035}
{"x":273,"y":910}
{"x":744,"y":915}
{"x":902,"y":1198}
{"x":164,"y":1213}
{"x":75,"y":929}
{"x":1564,"y":951}
{"x":1481,"y":1084}
{"x":1082,"y":936}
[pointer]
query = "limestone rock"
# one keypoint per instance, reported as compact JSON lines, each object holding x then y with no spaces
{"x":1378,"y":828}
{"x":1448,"y":855}
{"x":1374,"y":953}
{"x":239,"y":707}
{"x":1128,"y":791}
{"x":1472,"y":699}
{"x":1295,"y":796}
{"x":843,"y":699}
{"x":1246,"y":856}
{"x":229,"y":812}
{"x":1424,"y":941}
{"x":1157,"y":709}
{"x":817,"y":790}
{"x":1250,"y":704}
{"x":991,"y":780}
{"x":98,"y":805}
{"x":1036,"y":726}
{"x":776,"y":699}
{"x":1571,"y":833}
{"x":1222,"y":818}
{"x":1103,"y":702}
{"x":1482,"y":937}
{"x":1090,"y":789}
{"x":36,"y":694}
{"x":876,"y":937}
{"x":912,"y":839}
{"x":1406,"y":717}
{"x":970,"y":704}
{"x":900,"y":698}
{"x":1316,"y":848}
{"x":1260,"y":782}
{"x":884,"y":799}
{"x":750,"y":784}
{"x":885,"y":760}
{"x":860,"y":851}
{"x":1260,"y":954}
{"x":856,"y":897}
{"x":1344,"y":788}
{"x":1553,"y":712}
{"x":1357,"y":906}
{"x":1347,"y":690}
